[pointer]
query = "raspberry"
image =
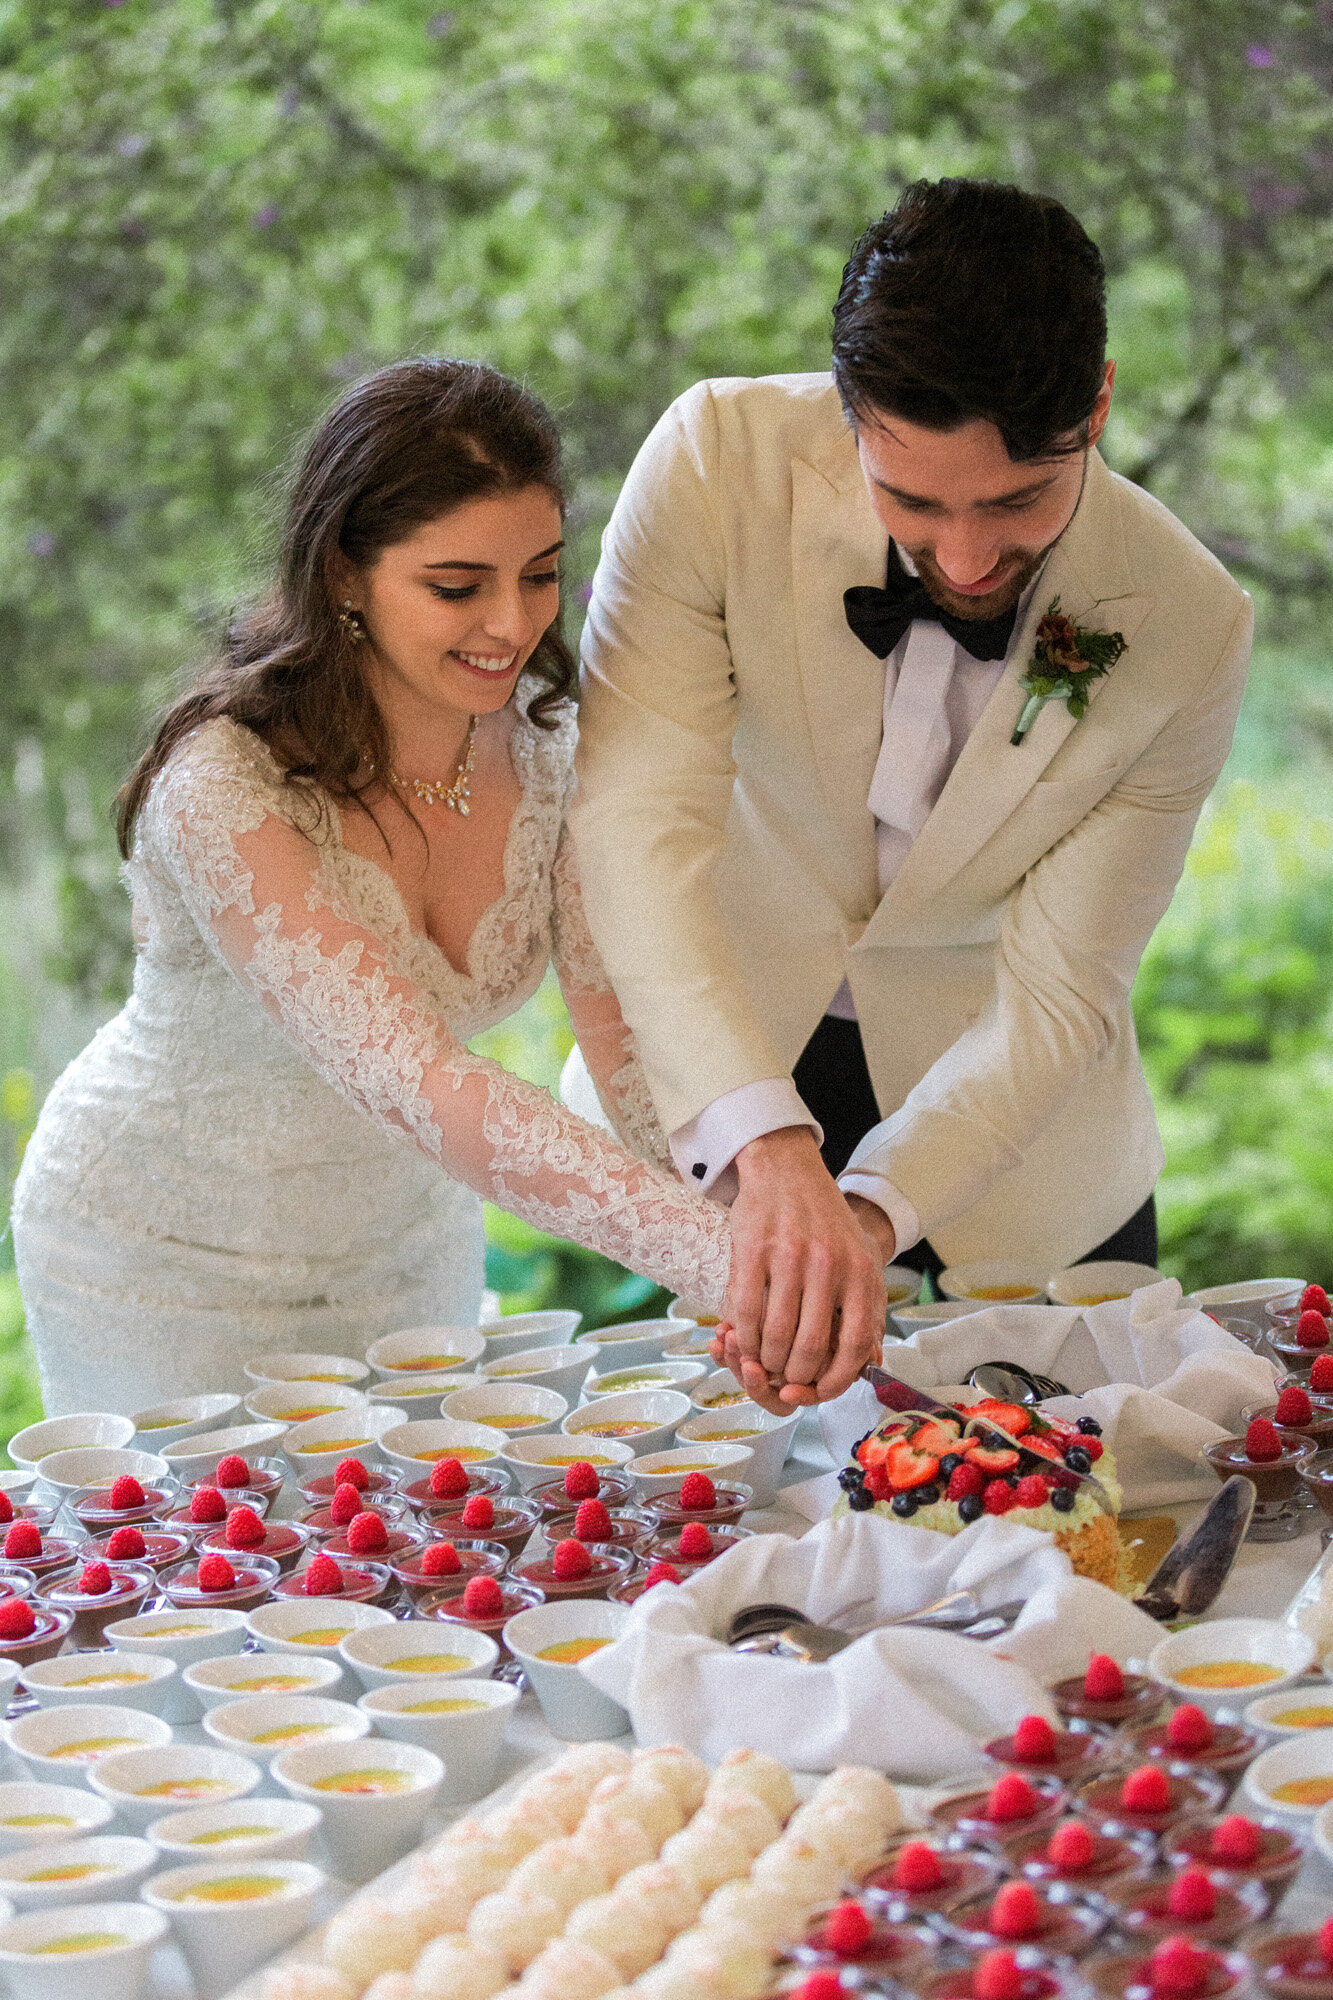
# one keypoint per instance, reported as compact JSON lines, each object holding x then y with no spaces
{"x":1071,"y":1847}
{"x":6,"y":1508}
{"x":1030,"y":1491}
{"x":964,"y":1479}
{"x":367,"y":1535}
{"x":661,"y":1572}
{"x":95,"y":1580}
{"x":1236,"y":1839}
{"x":344,"y":1506}
{"x":821,"y":1986}
{"x":1321,"y":1375}
{"x":126,"y":1491}
{"x":996,"y":1976}
{"x":1315,"y":1299}
{"x":323,"y":1578}
{"x":483,"y":1597}
{"x":1326,"y":1941}
{"x":1016,"y":1912}
{"x":581,"y":1481}
{"x":998,"y":1498}
{"x":1093,"y":1447}
{"x":1178,"y":1967}
{"x":696,"y":1544}
{"x":125,"y":1545}
{"x":1011,"y":1797}
{"x":847,"y":1929}
{"x":592,"y":1523}
{"x":570,"y":1561}
{"x":698,"y":1490}
{"x":351,"y":1472}
{"x":23,"y":1539}
{"x":1103,"y":1680}
{"x":207,"y":1504}
{"x":1312,"y":1330}
{"x":1293,"y":1407}
{"x":1193,"y":1898}
{"x":1189,"y":1728}
{"x":16,"y":1618}
{"x":216,"y":1573}
{"x":245,"y":1530}
{"x":232,"y":1471}
{"x":916,"y":1868}
{"x":440,"y":1559}
{"x":479,"y":1511}
{"x":1146,"y":1790}
{"x":1034,"y":1741}
{"x":1262,"y":1441}
{"x":448,"y":1481}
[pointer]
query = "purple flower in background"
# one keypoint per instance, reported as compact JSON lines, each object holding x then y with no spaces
{"x":585,"y":593}
{"x":41,"y":542}
{"x":1258,"y":57}
{"x":438,"y":26}
{"x":264,"y":218}
{"x":131,"y":145}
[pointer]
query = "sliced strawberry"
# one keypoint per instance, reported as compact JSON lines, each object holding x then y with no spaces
{"x":908,"y":1467}
{"x":991,"y":1458}
{"x":1047,"y":1447}
{"x":1011,"y":1417}
{"x":877,"y":1483}
{"x":938,"y":1435}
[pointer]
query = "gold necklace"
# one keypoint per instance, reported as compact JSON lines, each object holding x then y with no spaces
{"x":454,"y":794}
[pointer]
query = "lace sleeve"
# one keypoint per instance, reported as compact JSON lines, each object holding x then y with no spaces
{"x":599,"y":1026}
{"x":253,"y":883}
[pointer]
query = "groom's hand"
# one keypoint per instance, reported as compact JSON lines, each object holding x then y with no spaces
{"x":806,"y":1297}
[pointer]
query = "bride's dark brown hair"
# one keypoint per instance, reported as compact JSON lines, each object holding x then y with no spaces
{"x":410,"y":443}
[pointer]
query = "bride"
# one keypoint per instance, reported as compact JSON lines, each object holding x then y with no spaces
{"x":346,"y":853}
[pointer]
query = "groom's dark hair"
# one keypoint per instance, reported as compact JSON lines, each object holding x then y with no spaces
{"x":972,"y":299}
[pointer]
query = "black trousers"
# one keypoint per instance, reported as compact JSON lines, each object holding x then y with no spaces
{"x":835,"y":1086}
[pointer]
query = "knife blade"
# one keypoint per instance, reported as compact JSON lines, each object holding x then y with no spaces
{"x":1193,"y":1570}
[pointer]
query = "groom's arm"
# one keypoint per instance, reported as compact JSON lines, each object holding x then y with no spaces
{"x":656,"y":776}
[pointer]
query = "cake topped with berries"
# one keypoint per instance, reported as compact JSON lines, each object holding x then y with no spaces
{"x":944,"y":1469}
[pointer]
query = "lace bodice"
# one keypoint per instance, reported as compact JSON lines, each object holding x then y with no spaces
{"x":234,"y":865}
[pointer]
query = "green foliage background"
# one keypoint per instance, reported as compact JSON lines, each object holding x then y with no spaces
{"x":215,"y":212}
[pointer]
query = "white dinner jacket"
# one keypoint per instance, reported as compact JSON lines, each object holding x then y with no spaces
{"x":729,"y":730}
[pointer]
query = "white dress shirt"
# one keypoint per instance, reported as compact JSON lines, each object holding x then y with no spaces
{"x":934,"y":693}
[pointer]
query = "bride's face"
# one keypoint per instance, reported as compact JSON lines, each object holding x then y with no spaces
{"x":454,"y":613}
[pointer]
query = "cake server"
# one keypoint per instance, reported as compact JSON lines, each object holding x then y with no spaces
{"x":1193,"y":1570}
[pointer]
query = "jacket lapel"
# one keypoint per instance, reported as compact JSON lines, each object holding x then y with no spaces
{"x":1089,"y":572}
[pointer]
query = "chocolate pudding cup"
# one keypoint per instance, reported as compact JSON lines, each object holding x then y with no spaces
{"x":163,"y":1546}
{"x":512,"y":1526}
{"x":44,"y":1641}
{"x":363,"y":1583}
{"x":1293,"y":1967}
{"x":891,"y":1951}
{"x":964,"y":1876}
{"x":57,"y":1553}
{"x":1317,"y":1478}
{"x":1113,"y":1860}
{"x":179,"y":1517}
{"x":1078,"y":1753}
{"x":609,"y":1566}
{"x":629,"y":1527}
{"x":477,"y":1558}
{"x":93,"y":1509}
{"x":1231,"y":1749}
{"x":480,"y":1479}
{"x":1143,"y":1913}
{"x":1128,"y":1976}
{"x":1040,"y":1982}
{"x":399,"y":1545}
{"x":966,"y":1814}
{"x":1289,"y":1351}
{"x":665,"y":1547}
{"x":255,"y":1578}
{"x":1319,"y":1429}
{"x":1274,"y":1867}
{"x":319,"y":1492}
{"x":284,"y":1541}
{"x":447,"y":1607}
{"x":131,"y":1583}
{"x":1069,"y":1926}
{"x":552,"y":1502}
{"x":388,"y":1508}
{"x":634,"y":1585}
{"x":1272,"y":1478}
{"x":1142,"y":1699}
{"x":264,"y":1475}
{"x":668,"y":1510}
{"x":40,"y":1514}
{"x":1191,"y":1794}
{"x":16,"y":1580}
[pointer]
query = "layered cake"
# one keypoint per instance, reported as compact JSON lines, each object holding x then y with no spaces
{"x":945,"y":1469}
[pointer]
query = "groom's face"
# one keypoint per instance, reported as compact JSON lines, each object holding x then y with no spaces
{"x":976,"y":524}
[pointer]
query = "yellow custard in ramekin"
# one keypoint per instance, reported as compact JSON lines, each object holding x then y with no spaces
{"x":232,"y":1889}
{"x":1227,"y":1674}
{"x":464,"y":1453}
{"x":568,"y":1652}
{"x":442,"y":1705}
{"x":370,"y":1782}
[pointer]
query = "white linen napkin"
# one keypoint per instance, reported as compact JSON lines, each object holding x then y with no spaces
{"x":914,"y":1703}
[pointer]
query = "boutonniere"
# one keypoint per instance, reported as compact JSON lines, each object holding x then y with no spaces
{"x":1066,"y":660}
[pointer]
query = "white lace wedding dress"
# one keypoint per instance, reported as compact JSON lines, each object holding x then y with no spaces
{"x":281,"y":1141}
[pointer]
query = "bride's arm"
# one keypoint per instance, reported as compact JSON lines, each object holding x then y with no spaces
{"x":599,"y":1026}
{"x":255,"y":886}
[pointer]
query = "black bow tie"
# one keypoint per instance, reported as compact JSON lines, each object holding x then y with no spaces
{"x":880,"y":617}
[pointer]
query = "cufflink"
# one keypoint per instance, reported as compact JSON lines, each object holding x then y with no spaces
{"x":699,"y":1169}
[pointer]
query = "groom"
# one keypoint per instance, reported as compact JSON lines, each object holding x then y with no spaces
{"x":857,"y":928}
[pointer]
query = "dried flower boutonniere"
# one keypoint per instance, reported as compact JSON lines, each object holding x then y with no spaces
{"x":1066,"y":660}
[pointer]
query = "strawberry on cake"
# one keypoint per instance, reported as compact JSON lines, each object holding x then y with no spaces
{"x":944,"y":1469}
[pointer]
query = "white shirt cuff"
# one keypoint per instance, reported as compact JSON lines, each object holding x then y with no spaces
{"x":704,"y":1149}
{"x":873,"y":1187}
